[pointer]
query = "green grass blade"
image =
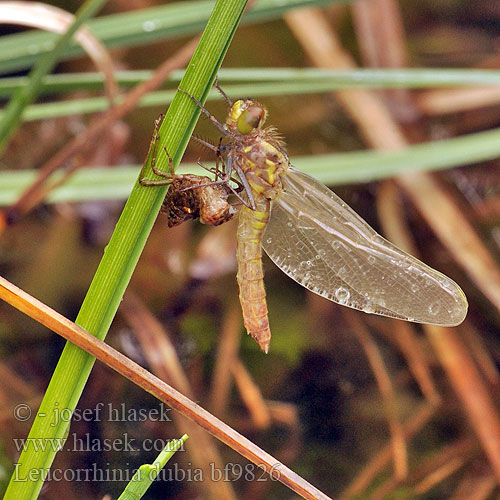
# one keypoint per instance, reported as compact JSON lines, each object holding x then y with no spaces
{"x":336,"y":80}
{"x":138,"y":27}
{"x":11,"y":117}
{"x":257,"y":83}
{"x":89,"y":184}
{"x":122,"y":253}
{"x":147,"y":473}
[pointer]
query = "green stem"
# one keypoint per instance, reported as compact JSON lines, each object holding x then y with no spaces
{"x":254,"y":82}
{"x":147,"y":473}
{"x":104,"y":183}
{"x":358,"y":78}
{"x":138,"y":27}
{"x":122,"y":253}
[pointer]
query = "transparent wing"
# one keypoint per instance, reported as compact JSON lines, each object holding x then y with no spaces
{"x":320,"y":242}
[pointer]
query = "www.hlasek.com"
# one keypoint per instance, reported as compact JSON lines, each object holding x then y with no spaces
{"x":87,"y":443}
{"x":230,"y":472}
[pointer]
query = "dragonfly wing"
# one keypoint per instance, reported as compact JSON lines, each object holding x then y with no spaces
{"x":320,"y":242}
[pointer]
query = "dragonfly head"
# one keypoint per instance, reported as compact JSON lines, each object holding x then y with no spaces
{"x":246,"y":116}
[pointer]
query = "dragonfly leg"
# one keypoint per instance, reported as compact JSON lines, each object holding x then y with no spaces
{"x":224,"y":181}
{"x":237,"y":194}
{"x":220,"y":178}
{"x":168,"y":177}
{"x":207,"y":113}
{"x":216,"y":85}
{"x":218,"y":171}
{"x":162,"y":173}
{"x":223,"y":174}
{"x":228,"y":171}
{"x":223,"y":171}
{"x":220,"y":165}
{"x":240,"y":187}
{"x":251,"y":202}
{"x":212,"y":170}
{"x":207,"y":144}
{"x":243,"y":185}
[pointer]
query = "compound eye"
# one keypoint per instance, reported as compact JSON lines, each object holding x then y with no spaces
{"x":250,"y":119}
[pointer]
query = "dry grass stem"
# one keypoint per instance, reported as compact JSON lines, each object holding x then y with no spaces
{"x":468,"y":384}
{"x":284,"y":413}
{"x":155,"y":343}
{"x":386,"y":390}
{"x":439,"y":475}
{"x":405,"y":338}
{"x":473,"y":487}
{"x":385,"y":46}
{"x":251,"y":395}
{"x":444,"y":216}
{"x":382,"y":41}
{"x":447,"y":101}
{"x":161,"y":356}
{"x":323,"y":48}
{"x":378,"y":463}
{"x":480,"y":352}
{"x":470,"y":388}
{"x":227,"y":352}
{"x":159,"y":389}
{"x":455,"y":454}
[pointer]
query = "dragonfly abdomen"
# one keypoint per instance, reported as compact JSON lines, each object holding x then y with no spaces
{"x":250,"y":275}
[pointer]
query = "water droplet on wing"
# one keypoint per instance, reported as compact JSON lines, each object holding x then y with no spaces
{"x":434,"y":308}
{"x":342,"y":295}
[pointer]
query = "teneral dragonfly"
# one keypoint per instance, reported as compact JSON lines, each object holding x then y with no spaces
{"x":315,"y":238}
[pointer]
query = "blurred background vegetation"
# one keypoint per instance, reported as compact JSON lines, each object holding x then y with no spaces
{"x":360,"y":406}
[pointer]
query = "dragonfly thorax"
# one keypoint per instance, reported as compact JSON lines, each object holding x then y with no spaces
{"x":246,"y":116}
{"x":257,"y":153}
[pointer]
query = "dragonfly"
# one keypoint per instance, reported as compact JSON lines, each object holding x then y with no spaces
{"x":314,"y":237}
